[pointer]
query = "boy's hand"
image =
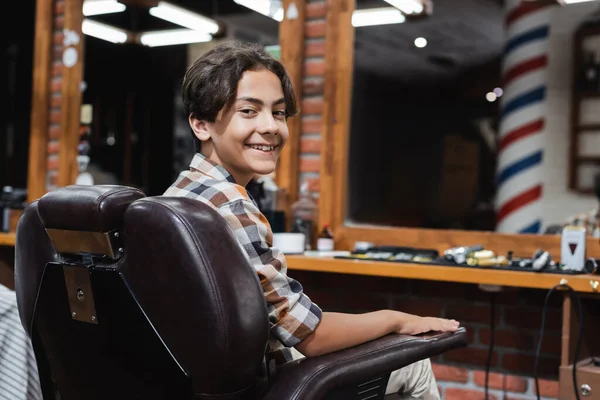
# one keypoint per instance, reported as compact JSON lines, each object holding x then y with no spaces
{"x":414,"y":325}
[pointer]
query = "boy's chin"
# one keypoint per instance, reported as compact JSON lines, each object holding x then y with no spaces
{"x":263,"y":168}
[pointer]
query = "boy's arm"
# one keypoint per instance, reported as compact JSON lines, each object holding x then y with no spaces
{"x":339,"y":331}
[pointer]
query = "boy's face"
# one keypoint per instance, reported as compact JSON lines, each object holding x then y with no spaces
{"x":247,"y":136}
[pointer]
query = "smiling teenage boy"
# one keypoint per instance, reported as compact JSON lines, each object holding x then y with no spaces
{"x":238,"y":99}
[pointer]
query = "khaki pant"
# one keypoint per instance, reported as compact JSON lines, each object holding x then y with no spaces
{"x":415,"y":381}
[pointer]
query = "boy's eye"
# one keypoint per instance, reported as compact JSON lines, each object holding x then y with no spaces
{"x":247,"y":111}
{"x":280,"y":113}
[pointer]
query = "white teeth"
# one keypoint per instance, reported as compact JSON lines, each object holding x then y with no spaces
{"x":263,"y":148}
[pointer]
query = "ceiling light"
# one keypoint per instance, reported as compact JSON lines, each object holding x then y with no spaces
{"x":270,"y":8}
{"x":420,"y":42}
{"x":377,"y":16}
{"x":574,"y":1}
{"x":491,"y":97}
{"x":103,"y":31}
{"x":183,"y":17}
{"x":498,"y":92}
{"x":407,"y":6}
{"x":98,"y":7}
{"x":172,"y":37}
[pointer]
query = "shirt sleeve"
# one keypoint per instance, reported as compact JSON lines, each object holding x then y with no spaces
{"x":293,"y":316}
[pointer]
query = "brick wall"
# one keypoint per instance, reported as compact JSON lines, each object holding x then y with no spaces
{"x":54,"y":131}
{"x":518,"y":317}
{"x":312,"y":93}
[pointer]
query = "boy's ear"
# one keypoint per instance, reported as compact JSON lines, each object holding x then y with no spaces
{"x":200,"y":128}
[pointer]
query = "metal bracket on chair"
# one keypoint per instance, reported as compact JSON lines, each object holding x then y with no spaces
{"x":78,"y":242}
{"x":79,"y":291}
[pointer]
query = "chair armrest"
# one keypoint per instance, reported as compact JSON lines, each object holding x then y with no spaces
{"x":312,"y":378}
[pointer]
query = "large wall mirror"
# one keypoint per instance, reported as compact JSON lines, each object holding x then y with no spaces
{"x":437,"y":101}
{"x":136,"y":53}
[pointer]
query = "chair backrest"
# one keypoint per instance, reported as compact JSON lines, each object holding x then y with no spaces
{"x":127,"y":296}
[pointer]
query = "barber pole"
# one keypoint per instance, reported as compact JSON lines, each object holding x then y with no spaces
{"x":522,"y":118}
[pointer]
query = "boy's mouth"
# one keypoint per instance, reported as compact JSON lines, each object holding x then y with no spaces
{"x":264,"y":148}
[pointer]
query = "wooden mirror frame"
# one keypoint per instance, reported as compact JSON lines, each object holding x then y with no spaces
{"x":335,"y":135}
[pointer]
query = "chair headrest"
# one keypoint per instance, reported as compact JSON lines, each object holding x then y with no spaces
{"x":87,"y":208}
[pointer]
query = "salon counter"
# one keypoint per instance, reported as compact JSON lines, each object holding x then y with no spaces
{"x":584,"y":283}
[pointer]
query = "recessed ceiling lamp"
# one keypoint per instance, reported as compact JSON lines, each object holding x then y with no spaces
{"x":574,"y":1}
{"x":420,"y":42}
{"x":270,"y":8}
{"x":186,"y":18}
{"x":99,"y":7}
{"x":377,"y":16}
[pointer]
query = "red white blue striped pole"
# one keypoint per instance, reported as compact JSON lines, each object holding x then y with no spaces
{"x":522,"y":118}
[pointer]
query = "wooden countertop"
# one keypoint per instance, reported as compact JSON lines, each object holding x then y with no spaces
{"x":491,"y":276}
{"x":8,"y":239}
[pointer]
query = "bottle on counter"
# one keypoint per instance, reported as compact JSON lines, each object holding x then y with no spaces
{"x":325,"y":239}
{"x":304,"y":214}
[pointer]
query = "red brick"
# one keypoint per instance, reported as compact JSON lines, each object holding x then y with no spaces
{"x":312,"y":125}
{"x":57,"y":68}
{"x":532,"y":319}
{"x":449,"y":373}
{"x":58,"y":38}
{"x":54,"y":132}
{"x":423,"y":308}
{"x":315,"y":49}
{"x":310,"y":145}
{"x":57,"y":53}
{"x":56,"y":85}
{"x":55,"y":117}
{"x":470,"y":313}
{"x":314,"y":68}
{"x":53,"y":178}
{"x":314,"y":184}
{"x":59,"y":22}
{"x":521,"y":340}
{"x":310,"y":164}
{"x":59,"y":7}
{"x":316,"y":10}
{"x":55,"y":102}
{"x":523,"y":363}
{"x":508,"y":383}
{"x":471,"y":356}
{"x":312,"y":106}
{"x":467,"y":394}
{"x":514,"y":339}
{"x":312,"y":86}
{"x":547,"y":388}
{"x":315,"y":29}
{"x":52,"y":163}
{"x":53,"y":147}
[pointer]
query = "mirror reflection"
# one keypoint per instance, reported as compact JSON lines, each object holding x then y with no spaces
{"x":468,"y":116}
{"x":133,"y":130}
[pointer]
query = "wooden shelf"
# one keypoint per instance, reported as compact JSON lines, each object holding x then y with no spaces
{"x":588,"y":159}
{"x":7,"y":239}
{"x":589,"y":127}
{"x":491,"y":276}
{"x":587,"y":95}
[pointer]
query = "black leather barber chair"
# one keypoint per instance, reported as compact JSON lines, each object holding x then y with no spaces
{"x":134,"y":297}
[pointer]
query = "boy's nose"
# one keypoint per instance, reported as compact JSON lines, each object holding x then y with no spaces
{"x":268,"y":125}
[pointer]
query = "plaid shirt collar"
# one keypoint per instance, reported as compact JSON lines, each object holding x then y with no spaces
{"x":208,"y":167}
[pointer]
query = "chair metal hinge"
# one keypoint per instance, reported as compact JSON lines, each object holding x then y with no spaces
{"x":80,"y":295}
